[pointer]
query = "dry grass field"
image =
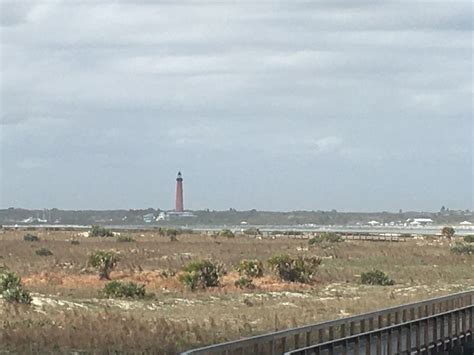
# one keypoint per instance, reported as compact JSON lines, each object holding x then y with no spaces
{"x":68,"y":314}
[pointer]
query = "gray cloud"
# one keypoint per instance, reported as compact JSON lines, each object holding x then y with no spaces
{"x":372,"y":101}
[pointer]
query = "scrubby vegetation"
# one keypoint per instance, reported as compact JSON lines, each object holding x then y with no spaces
{"x":448,"y":232}
{"x":462,"y":248}
{"x":469,"y":238}
{"x":244,"y":283}
{"x":227,"y":233}
{"x":105,"y":262}
{"x":202,"y":274}
{"x":30,"y":238}
{"x":43,"y":252}
{"x":117,"y":289}
{"x":250,"y":268}
{"x":376,"y":277}
{"x":326,"y":237}
{"x":98,"y":231}
{"x":125,"y":239}
{"x":11,"y":289}
{"x":294,"y":269}
{"x":252,"y":231}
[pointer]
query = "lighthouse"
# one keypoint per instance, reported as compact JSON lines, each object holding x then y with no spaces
{"x":179,"y":193}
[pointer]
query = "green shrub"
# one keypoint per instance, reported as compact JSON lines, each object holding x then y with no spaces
{"x":117,"y":289}
{"x":98,"y":231}
{"x":448,"y":232}
{"x":298,"y":269}
{"x":43,"y":252}
{"x":204,"y":273}
{"x":105,"y":262}
{"x":125,"y":239}
{"x":250,"y":268}
{"x":173,"y":238}
{"x":469,"y":238}
{"x":252,"y":231}
{"x":226,"y":233}
{"x":8,"y":280}
{"x":326,"y":237}
{"x":244,"y":282}
{"x":462,"y":248}
{"x":17,"y":294}
{"x":30,"y":238}
{"x":376,"y":277}
{"x":11,"y":288}
{"x":171,"y":232}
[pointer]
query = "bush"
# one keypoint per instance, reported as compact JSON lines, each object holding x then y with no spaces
{"x":43,"y":252}
{"x":448,"y":232}
{"x":299,"y":269}
{"x":11,"y":288}
{"x":244,"y":282}
{"x":326,"y":237}
{"x":462,"y":248}
{"x":226,"y":233}
{"x":173,"y":238}
{"x":30,"y":238}
{"x":252,"y":231}
{"x":204,"y":273}
{"x":171,"y":232}
{"x":250,"y":268}
{"x":75,"y":242}
{"x":469,"y":238}
{"x":105,"y":262}
{"x":17,"y":294}
{"x":8,"y":280}
{"x":98,"y":231}
{"x":376,"y":277}
{"x":117,"y":289}
{"x":125,"y":239}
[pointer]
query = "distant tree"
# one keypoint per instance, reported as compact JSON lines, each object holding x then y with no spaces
{"x":443,"y":209}
{"x":448,"y":232}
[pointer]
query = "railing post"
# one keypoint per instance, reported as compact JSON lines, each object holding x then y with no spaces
{"x":368,"y":345}
{"x":427,"y":334}
{"x":389,"y":342}
{"x":379,"y":343}
{"x":408,"y":339}
{"x":417,"y":335}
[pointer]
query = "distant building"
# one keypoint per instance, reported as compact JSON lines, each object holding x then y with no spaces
{"x":149,"y":218}
{"x":419,"y":221}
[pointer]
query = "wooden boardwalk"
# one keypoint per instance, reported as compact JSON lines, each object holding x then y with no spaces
{"x":431,"y":326}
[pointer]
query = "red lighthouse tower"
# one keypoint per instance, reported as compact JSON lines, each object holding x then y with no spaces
{"x":179,"y":193}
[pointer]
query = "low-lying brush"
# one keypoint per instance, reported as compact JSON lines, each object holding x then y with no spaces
{"x":462,"y":248}
{"x":43,"y":252}
{"x":250,"y":268}
{"x":202,"y":274}
{"x":227,"y":233}
{"x":469,"y":238}
{"x":326,"y":237}
{"x":125,"y":239}
{"x":117,"y":289}
{"x":30,"y":238}
{"x":98,"y":231}
{"x":244,"y":282}
{"x":298,"y":269}
{"x":376,"y":277}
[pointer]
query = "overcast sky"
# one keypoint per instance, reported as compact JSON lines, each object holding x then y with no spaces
{"x":273,"y":105}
